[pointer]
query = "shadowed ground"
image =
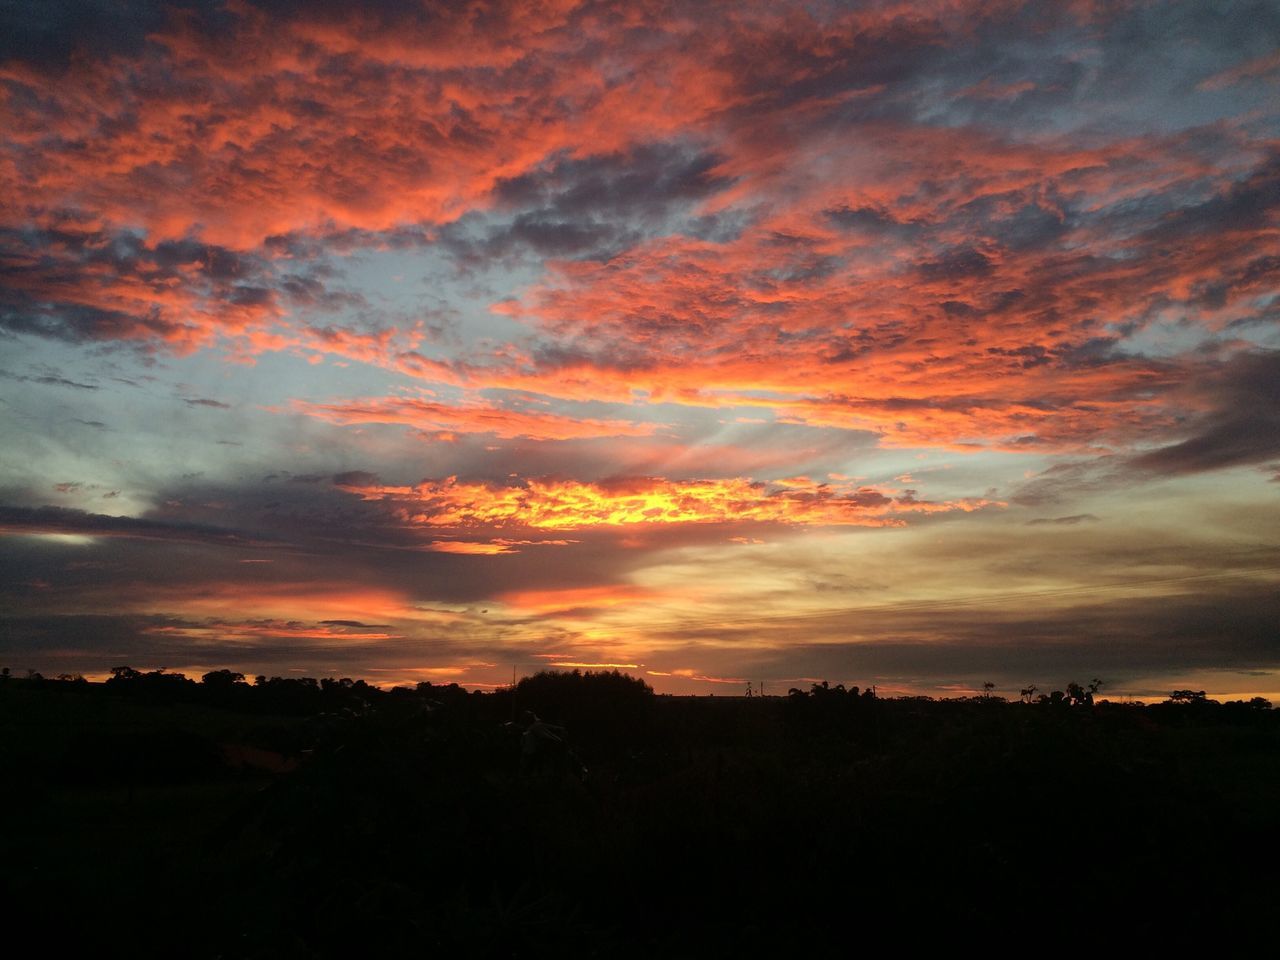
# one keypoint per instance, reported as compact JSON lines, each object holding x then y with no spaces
{"x":233,"y":823}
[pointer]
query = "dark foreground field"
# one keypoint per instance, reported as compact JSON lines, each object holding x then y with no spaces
{"x":159,"y":817}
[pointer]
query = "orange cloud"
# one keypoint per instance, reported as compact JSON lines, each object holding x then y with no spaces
{"x":556,"y":664}
{"x":884,"y":276}
{"x":940,"y":334}
{"x":282,"y":601}
{"x":400,"y":121}
{"x":687,"y":674}
{"x":573,"y":505}
{"x":557,"y":601}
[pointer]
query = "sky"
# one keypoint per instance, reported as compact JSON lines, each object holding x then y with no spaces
{"x":910,"y":344}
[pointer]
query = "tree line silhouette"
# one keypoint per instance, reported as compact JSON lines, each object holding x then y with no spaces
{"x":320,"y":817}
{"x":561,"y":689}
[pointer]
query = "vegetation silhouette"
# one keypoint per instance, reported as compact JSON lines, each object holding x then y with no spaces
{"x":321,"y":817}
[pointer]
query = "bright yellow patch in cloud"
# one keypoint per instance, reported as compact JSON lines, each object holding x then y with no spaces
{"x":574,"y":505}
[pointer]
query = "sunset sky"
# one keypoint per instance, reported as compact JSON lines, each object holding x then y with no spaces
{"x":907,"y":344}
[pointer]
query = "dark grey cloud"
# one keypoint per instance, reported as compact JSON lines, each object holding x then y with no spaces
{"x":63,"y":520}
{"x":1066,"y":481}
{"x":312,"y":289}
{"x":1242,"y":428}
{"x":782,"y":69}
{"x":304,"y":247}
{"x":872,"y":220}
{"x":1029,"y":355}
{"x":1219,"y":625}
{"x":1185,"y":41}
{"x":1245,"y":206}
{"x":1066,"y":58}
{"x":51,"y":278}
{"x":1019,"y":221}
{"x":957,"y":265}
{"x":390,"y":15}
{"x":22,"y":313}
{"x":205,"y":402}
{"x":50,"y":32}
{"x":95,"y":643}
{"x":356,"y":478}
{"x":645,"y":180}
{"x":49,"y":380}
{"x":1072,"y":519}
{"x":86,"y":642}
{"x":217,"y":263}
{"x":591,"y":206}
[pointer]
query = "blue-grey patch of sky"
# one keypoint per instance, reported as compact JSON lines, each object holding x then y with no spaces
{"x":1171,"y":333}
{"x":1145,"y":73}
{"x":1262,"y":327}
{"x":423,"y":283}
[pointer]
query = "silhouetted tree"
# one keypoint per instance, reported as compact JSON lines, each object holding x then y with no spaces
{"x":1078,"y":695}
{"x":153,"y":685}
{"x":222,"y":679}
{"x":601,"y":710}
